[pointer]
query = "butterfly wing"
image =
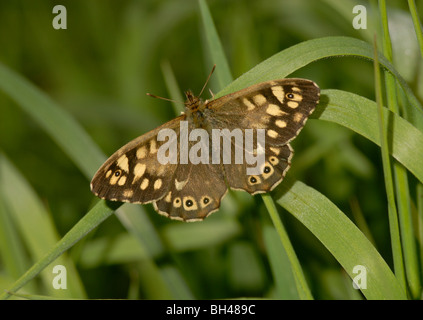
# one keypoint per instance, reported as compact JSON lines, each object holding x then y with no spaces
{"x":196,"y":192}
{"x":276,"y":164}
{"x":133,"y":173}
{"x":281,"y":107}
{"x":190,"y":191}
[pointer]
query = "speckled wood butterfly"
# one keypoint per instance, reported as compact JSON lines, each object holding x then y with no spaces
{"x":192,"y":191}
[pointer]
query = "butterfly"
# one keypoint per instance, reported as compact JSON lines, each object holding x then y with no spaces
{"x":192,"y":190}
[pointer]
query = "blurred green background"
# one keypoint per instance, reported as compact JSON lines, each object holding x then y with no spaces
{"x":99,"y":70}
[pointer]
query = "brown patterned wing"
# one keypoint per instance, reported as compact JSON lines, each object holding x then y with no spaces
{"x":195,"y":192}
{"x":281,"y":108}
{"x":188,"y":192}
{"x":133,"y":173}
{"x":191,"y":192}
{"x":277,"y":163}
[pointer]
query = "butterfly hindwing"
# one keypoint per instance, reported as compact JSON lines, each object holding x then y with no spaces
{"x":271,"y":173}
{"x":184,"y":201}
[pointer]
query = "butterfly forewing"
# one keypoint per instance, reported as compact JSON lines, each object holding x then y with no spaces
{"x":279,"y":106}
{"x":133,"y":173}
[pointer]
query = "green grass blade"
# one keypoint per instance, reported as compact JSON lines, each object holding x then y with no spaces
{"x":223,"y":73}
{"x":389,"y":185}
{"x":176,"y":283}
{"x":134,"y":218}
{"x":173,"y":88}
{"x":341,"y":237}
{"x":419,"y":196}
{"x":286,"y":287}
{"x":401,"y":181}
{"x":408,"y":236}
{"x":35,"y":226}
{"x":419,"y":188}
{"x":122,"y":248}
{"x":12,"y":251}
{"x":93,"y":218}
{"x":208,"y":233}
{"x":284,"y":260}
{"x":417,"y":24}
{"x":293,"y":58}
{"x":360,"y":114}
{"x":62,"y":128}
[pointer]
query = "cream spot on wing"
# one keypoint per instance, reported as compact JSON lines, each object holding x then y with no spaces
{"x":179,"y":185}
{"x":205,"y":201}
{"x":122,"y":180}
{"x":123,"y":163}
{"x":272,"y":134}
{"x":142,"y":152}
{"x":278,"y":93}
{"x":168,"y":197}
{"x":298,"y":117}
{"x":139,"y":170}
{"x":273,"y":160}
{"x":252,"y":180}
{"x":296,"y":97}
{"x":296,"y":89}
{"x":259,"y":99}
{"x":250,"y":106}
{"x":190,"y":204}
{"x":280,"y":123}
{"x":267,"y":170}
{"x":144,"y":184}
{"x":292,"y":104}
{"x":157,"y":184}
{"x":115,"y":177}
{"x":153,"y":146}
{"x":108,"y":174}
{"x":275,"y":150}
{"x":177,"y":202}
{"x":274,"y":110}
{"x":128,"y":193}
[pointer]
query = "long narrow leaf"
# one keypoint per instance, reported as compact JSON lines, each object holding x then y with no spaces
{"x":293,"y":58}
{"x":360,"y":115}
{"x":92,"y":219}
{"x":342,"y":238}
{"x":35,"y":226}
{"x":223,"y":73}
{"x":286,"y":286}
{"x":387,"y":173}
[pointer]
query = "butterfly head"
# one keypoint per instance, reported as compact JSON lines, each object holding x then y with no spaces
{"x":193,"y":103}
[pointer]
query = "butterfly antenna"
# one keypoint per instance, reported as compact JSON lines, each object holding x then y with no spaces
{"x":166,"y":99}
{"x":207,"y":81}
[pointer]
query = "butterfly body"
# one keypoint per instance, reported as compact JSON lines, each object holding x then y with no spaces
{"x":192,"y":190}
